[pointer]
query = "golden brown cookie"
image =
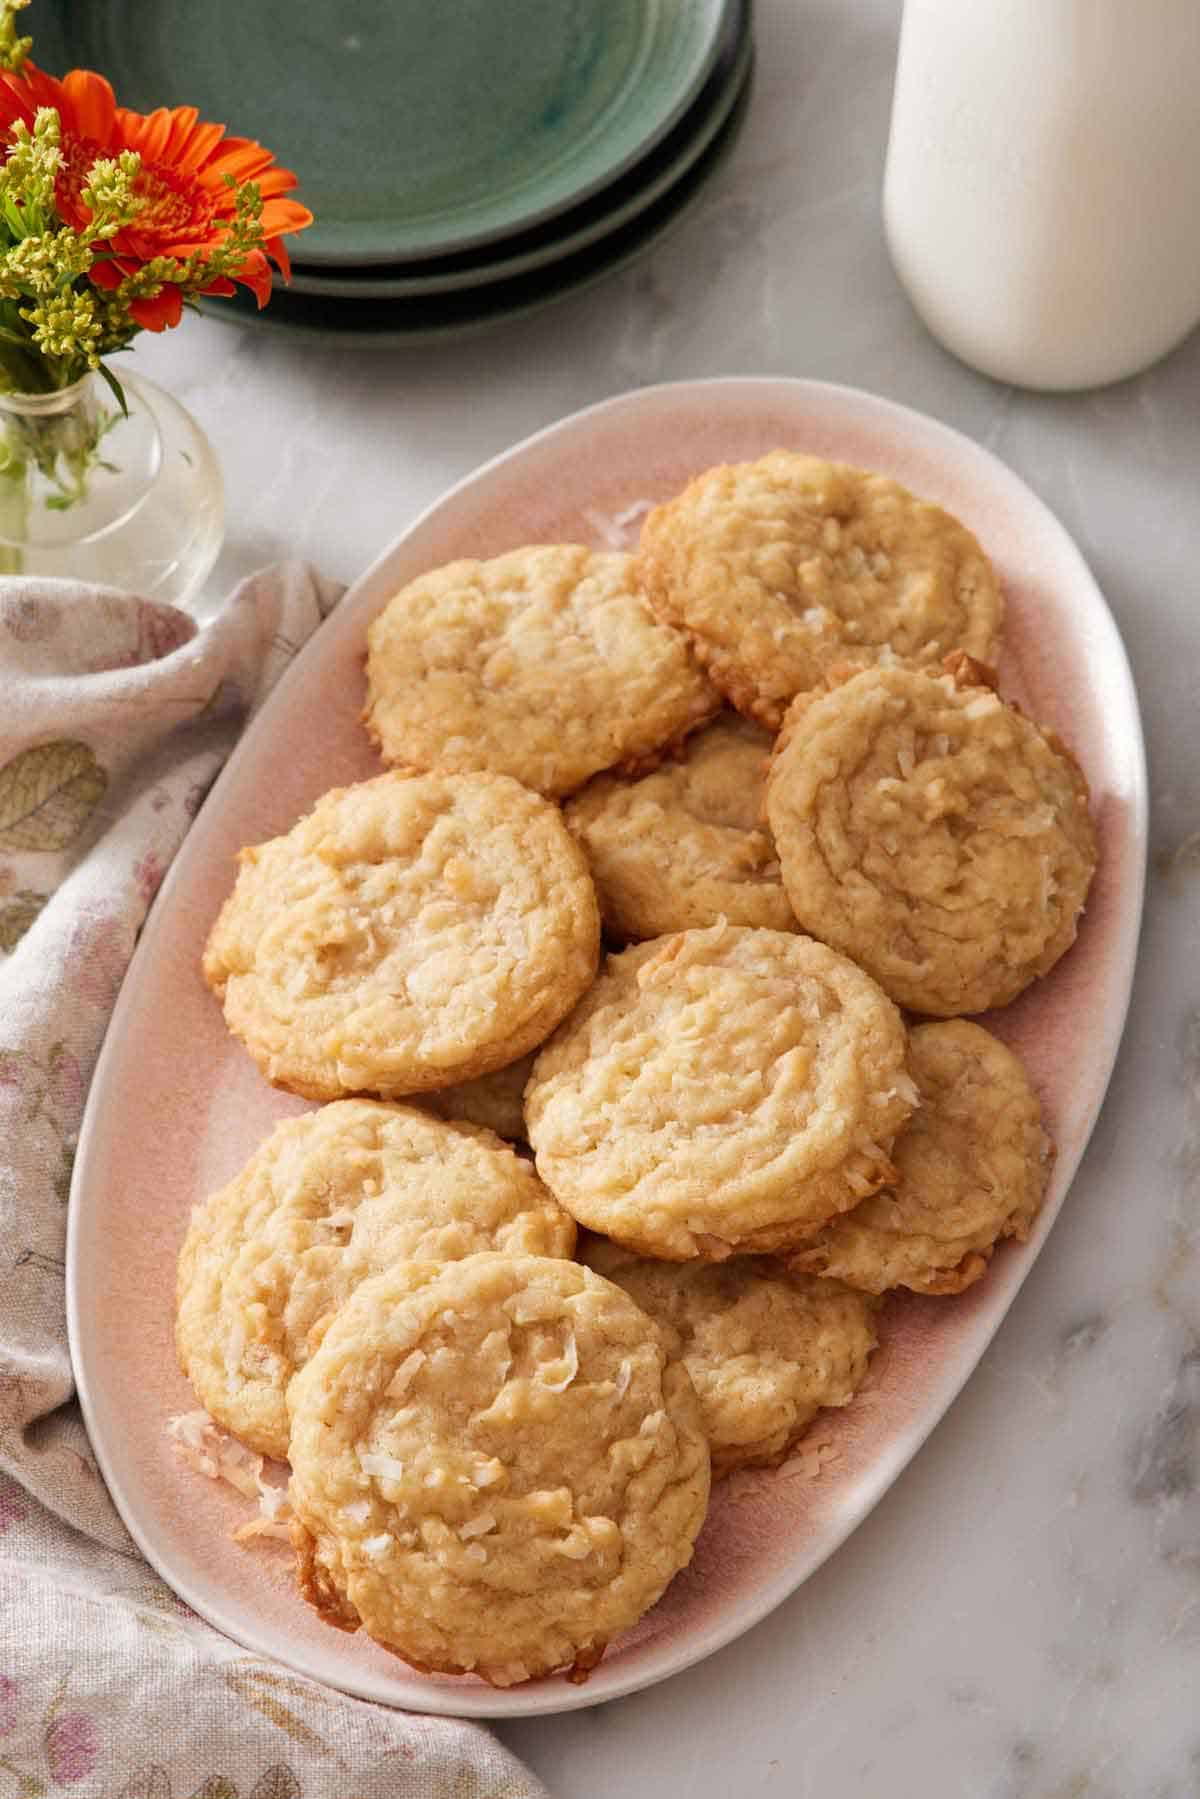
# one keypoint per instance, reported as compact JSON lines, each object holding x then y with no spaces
{"x":971,"y":1167}
{"x":720,"y":1090}
{"x":326,"y":1201}
{"x":498,"y":1466}
{"x":495,"y":1100}
{"x":545,"y":663}
{"x":686,"y":844}
{"x":781,"y":568}
{"x":765,"y":1351}
{"x":932,"y":833}
{"x":410,"y":932}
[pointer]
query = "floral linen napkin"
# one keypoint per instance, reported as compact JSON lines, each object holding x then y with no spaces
{"x":115,"y":716}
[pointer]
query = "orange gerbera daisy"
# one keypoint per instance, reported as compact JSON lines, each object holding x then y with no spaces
{"x":188,"y":205}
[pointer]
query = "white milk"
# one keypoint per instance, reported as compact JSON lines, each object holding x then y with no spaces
{"x":1042,"y":193}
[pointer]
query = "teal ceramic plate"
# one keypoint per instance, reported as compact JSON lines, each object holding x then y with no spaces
{"x":412,"y":323}
{"x":417,"y":127}
{"x":616,"y":205}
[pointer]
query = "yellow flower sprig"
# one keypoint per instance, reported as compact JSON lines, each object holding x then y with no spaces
{"x":87,"y":263}
{"x":14,"y":50}
{"x":44,"y":263}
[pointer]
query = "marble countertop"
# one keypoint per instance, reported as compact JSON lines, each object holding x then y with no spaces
{"x":1020,"y":1617}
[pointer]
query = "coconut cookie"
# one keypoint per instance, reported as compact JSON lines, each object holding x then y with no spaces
{"x":495,"y":1101}
{"x":932,"y":833}
{"x":546,"y":664}
{"x":411,"y":932}
{"x":327,"y":1200}
{"x":781,"y":568}
{"x":971,"y":1167}
{"x":720,"y":1090}
{"x":498,"y":1466}
{"x":765,"y":1352}
{"x":686,"y":844}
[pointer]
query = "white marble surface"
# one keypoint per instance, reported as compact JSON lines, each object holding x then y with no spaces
{"x":1020,"y":1618}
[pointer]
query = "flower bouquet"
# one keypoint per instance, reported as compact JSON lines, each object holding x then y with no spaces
{"x":112,"y":222}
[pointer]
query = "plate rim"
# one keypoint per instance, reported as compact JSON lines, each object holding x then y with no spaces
{"x":365,"y":282}
{"x":472,"y":240}
{"x":550,"y":1697}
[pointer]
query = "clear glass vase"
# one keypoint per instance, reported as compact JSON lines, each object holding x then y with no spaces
{"x":133,"y":502}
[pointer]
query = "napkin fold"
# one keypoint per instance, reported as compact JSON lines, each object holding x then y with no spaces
{"x":115,"y":716}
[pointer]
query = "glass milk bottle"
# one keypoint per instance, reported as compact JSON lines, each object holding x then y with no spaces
{"x":1042,"y":192}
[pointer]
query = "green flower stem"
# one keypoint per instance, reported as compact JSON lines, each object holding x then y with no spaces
{"x":14,"y":510}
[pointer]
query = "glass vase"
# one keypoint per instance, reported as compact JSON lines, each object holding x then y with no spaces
{"x":133,"y":502}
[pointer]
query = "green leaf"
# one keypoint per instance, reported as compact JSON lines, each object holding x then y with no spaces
{"x":47,"y":795}
{"x":16,"y":916}
{"x":61,"y":1183}
{"x":118,"y":392}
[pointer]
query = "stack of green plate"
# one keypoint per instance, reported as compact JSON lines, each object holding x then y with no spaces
{"x":465,"y":160}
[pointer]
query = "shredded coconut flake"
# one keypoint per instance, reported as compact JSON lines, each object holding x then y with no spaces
{"x":624,"y":1376}
{"x":405,"y":1374}
{"x":375,"y":1547}
{"x":980,"y":707}
{"x":235,"y":1349}
{"x":906,"y":762}
{"x":908,"y":1090}
{"x":478,"y":1526}
{"x":576,"y":1546}
{"x":487,"y":1475}
{"x":272,"y":1501}
{"x":570,"y":1356}
{"x":475,"y":1552}
{"x":339,"y":1221}
{"x":212,"y":1452}
{"x":615,"y":529}
{"x":533,"y":1306}
{"x":386,"y":1466}
{"x":808,"y":1463}
{"x":358,"y":1511}
{"x":273,"y":1529}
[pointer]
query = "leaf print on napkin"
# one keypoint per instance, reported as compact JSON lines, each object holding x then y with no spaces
{"x":47,"y":795}
{"x":215,"y":1787}
{"x":16,"y":916}
{"x":277,"y":1783}
{"x":28,"y":1785}
{"x":249,"y":1684}
{"x":152,"y":1783}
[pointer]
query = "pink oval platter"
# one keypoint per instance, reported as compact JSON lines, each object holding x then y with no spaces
{"x":177,"y":1106}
